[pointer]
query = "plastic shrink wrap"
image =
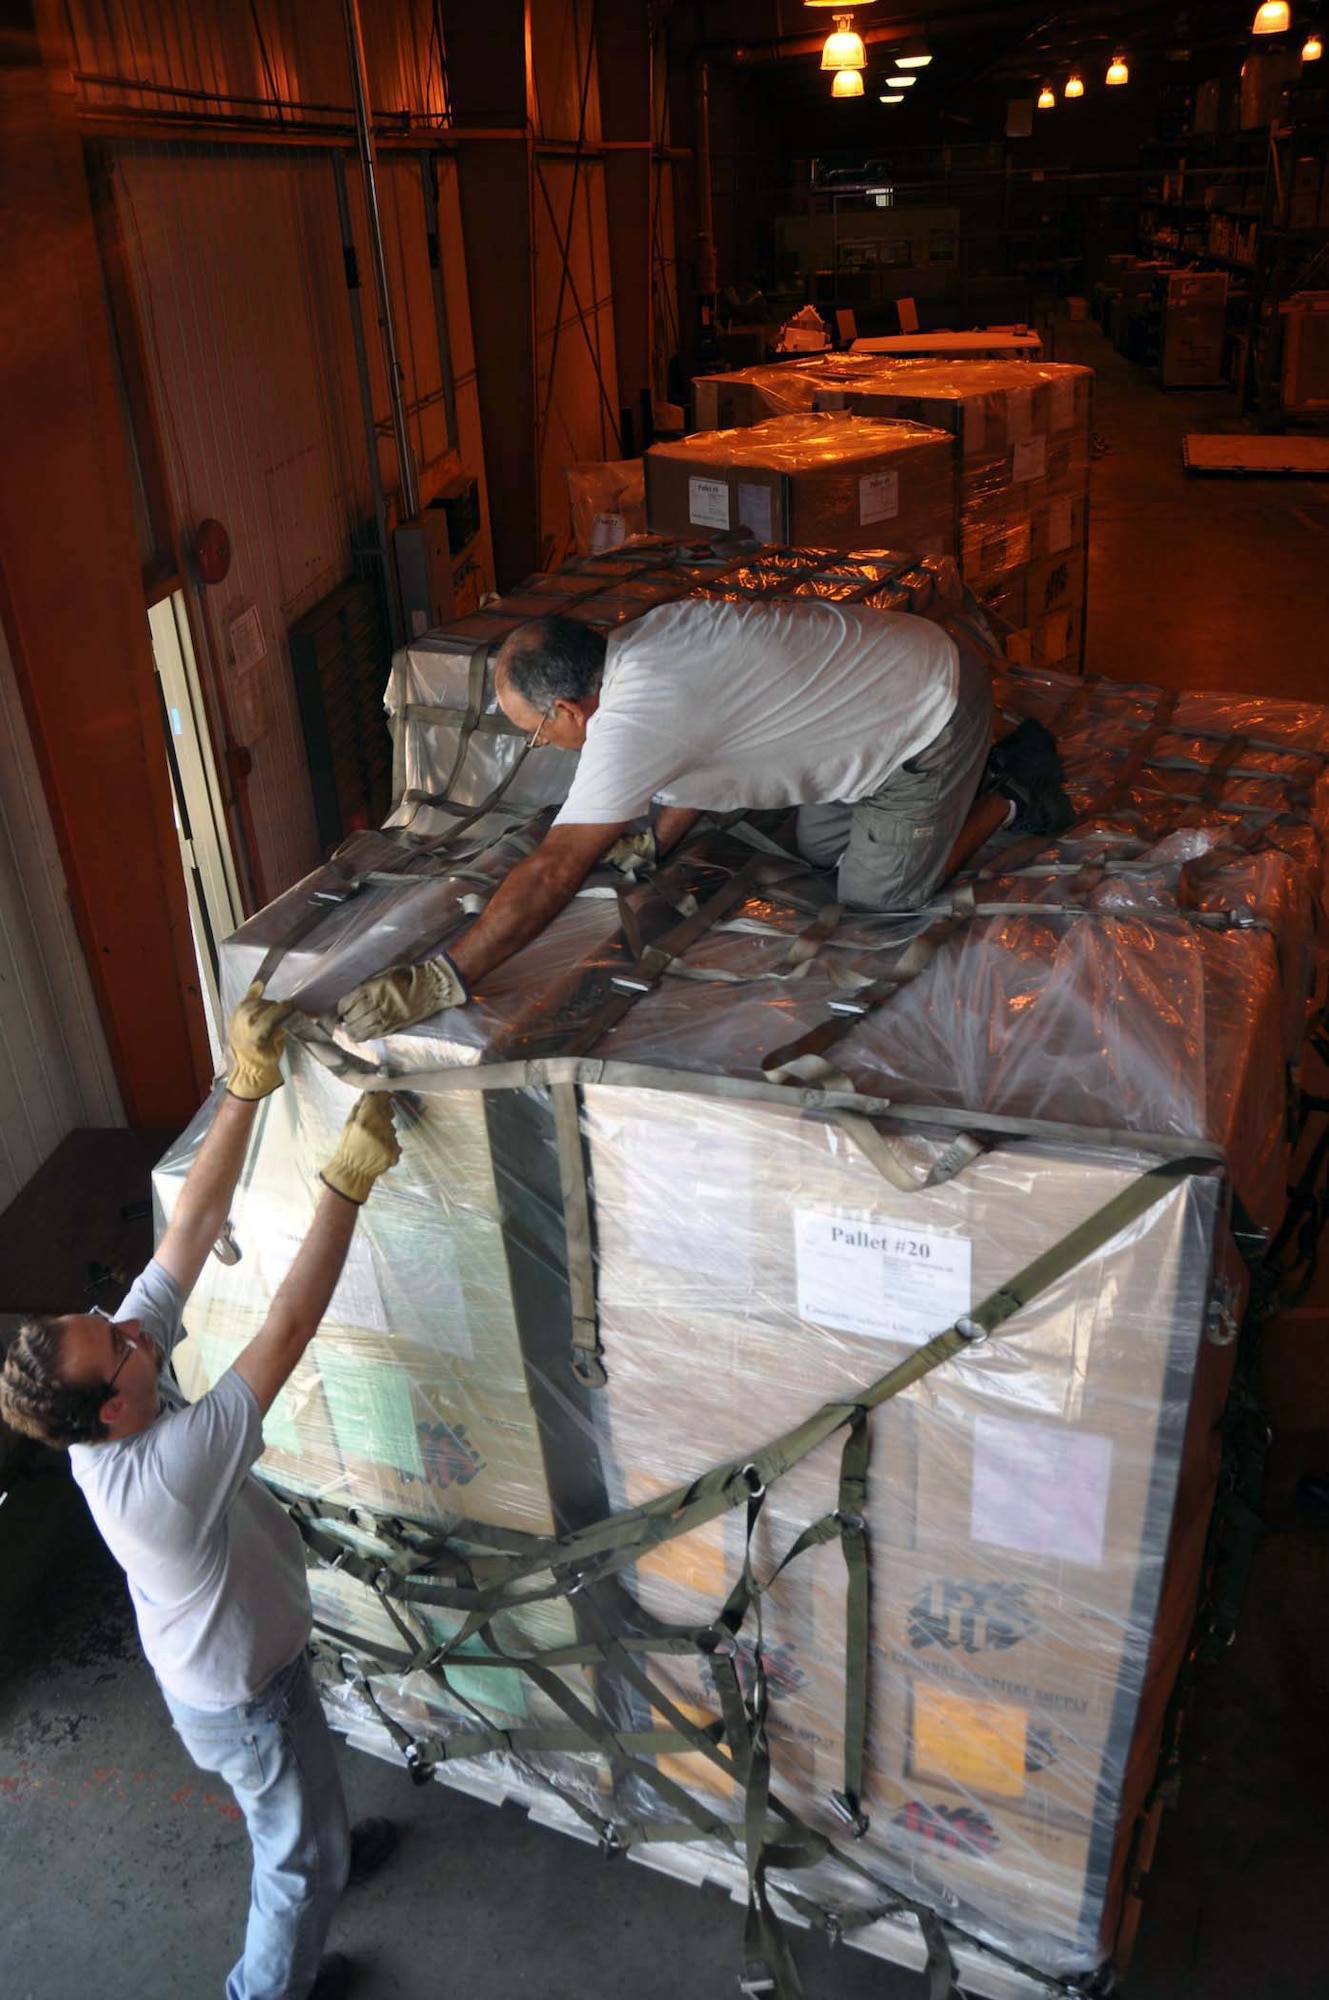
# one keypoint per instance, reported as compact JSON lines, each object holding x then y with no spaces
{"x":834,"y":481}
{"x":740,"y":1177}
{"x":1020,"y":443}
{"x":608,"y":504}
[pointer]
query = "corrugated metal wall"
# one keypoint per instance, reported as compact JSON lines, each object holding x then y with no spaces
{"x":237,"y":264}
{"x":575,"y":366}
{"x":55,"y":1070}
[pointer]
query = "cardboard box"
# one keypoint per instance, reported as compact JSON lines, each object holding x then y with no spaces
{"x":1052,"y":641}
{"x":830,"y":482}
{"x":1054,"y":582}
{"x":1194,"y":320}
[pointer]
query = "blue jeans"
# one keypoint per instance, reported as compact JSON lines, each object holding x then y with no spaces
{"x":275,"y":1752}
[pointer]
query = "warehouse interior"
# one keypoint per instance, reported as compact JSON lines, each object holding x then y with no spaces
{"x":336,"y":345}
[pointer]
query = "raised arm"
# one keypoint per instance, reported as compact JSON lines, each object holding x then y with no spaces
{"x":257,"y":1038}
{"x":368,"y":1147}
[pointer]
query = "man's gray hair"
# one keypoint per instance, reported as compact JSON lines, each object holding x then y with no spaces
{"x":554,"y":659}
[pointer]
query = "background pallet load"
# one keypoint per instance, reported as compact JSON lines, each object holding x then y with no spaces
{"x":1020,"y":451}
{"x":826,"y":482}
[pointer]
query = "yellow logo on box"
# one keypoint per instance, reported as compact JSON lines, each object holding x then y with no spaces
{"x":979,"y":1745}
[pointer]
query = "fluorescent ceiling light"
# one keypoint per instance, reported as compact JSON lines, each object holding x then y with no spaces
{"x":893,"y":97}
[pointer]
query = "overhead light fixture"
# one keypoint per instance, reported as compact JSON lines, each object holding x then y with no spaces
{"x":914,"y":55}
{"x":1047,"y":97}
{"x":1273,"y":18}
{"x":848,"y":83}
{"x":1313,"y":49}
{"x":1074,"y":85}
{"x":901,"y":82}
{"x":893,"y":97}
{"x":1118,"y":70}
{"x":844,"y":49}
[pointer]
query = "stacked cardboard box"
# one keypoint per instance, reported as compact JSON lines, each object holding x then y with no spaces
{"x":824,"y":482}
{"x":1034,"y":1509}
{"x":1020,"y":447}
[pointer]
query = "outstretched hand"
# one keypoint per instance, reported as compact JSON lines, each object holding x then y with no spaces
{"x":257,"y":1039}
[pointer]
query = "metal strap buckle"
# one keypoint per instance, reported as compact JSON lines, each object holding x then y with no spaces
{"x":969,"y":1330}
{"x":847,"y":1808}
{"x":417,"y":1764}
{"x":855,"y":1009}
{"x":627,"y":982}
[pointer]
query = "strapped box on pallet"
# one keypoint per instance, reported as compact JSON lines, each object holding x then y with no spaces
{"x":736,"y":1243}
{"x":830,"y":482}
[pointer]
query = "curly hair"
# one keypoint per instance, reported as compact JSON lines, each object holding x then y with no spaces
{"x":35,"y":1401}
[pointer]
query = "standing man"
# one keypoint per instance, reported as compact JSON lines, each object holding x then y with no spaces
{"x":216,"y":1568}
{"x":876,"y":725}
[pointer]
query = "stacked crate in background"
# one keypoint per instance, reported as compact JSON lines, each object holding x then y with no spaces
{"x":1020,"y":434}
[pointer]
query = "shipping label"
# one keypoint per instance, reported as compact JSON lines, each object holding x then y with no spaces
{"x":878,"y":497}
{"x":1019,"y":415}
{"x":756,"y":512}
{"x":708,"y":503}
{"x":607,"y":532}
{"x":879,"y":1278}
{"x":1031,"y":458}
{"x":1041,"y":1488}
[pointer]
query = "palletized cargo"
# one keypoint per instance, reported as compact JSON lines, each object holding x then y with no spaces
{"x":790,"y":1351}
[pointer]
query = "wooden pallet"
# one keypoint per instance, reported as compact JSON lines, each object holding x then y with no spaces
{"x":1263,"y":457}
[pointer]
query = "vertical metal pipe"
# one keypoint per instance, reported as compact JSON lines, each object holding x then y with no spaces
{"x":428,"y":165}
{"x":352,"y":264}
{"x":651,"y":171}
{"x":355,"y":44}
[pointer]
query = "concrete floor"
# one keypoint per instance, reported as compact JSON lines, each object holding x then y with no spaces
{"x":124,"y":1872}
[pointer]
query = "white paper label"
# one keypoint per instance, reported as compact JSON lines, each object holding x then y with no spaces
{"x":1059,"y":526}
{"x":708,"y":503}
{"x":1031,"y":458}
{"x":607,"y":532}
{"x":878,"y":497}
{"x":1062,"y":403}
{"x":358,"y":1299}
{"x":755,"y":512}
{"x":1019,"y":415}
{"x":1040,"y":1488}
{"x":864,"y":1275}
{"x":975,"y":425}
{"x":689,"y":1199}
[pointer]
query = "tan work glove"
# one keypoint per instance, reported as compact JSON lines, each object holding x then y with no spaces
{"x":257,"y":1039}
{"x":400,"y":996}
{"x":367,"y":1148}
{"x":633,"y":853}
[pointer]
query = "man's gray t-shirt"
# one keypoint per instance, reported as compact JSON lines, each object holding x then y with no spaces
{"x":215,"y":1566}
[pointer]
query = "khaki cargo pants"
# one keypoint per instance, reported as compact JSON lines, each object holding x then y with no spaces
{"x":891,"y":849}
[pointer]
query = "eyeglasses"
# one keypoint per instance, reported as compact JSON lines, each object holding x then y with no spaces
{"x":120,"y":1339}
{"x":533,"y":740}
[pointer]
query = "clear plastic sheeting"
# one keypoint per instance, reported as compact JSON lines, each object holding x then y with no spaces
{"x":608,"y":504}
{"x":832,"y":481}
{"x":708,"y":1158}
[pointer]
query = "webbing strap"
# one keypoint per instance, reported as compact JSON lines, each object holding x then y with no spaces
{"x":848,"y":1013}
{"x":587,"y":1352}
{"x":592,"y":1554}
{"x":1211,"y":790}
